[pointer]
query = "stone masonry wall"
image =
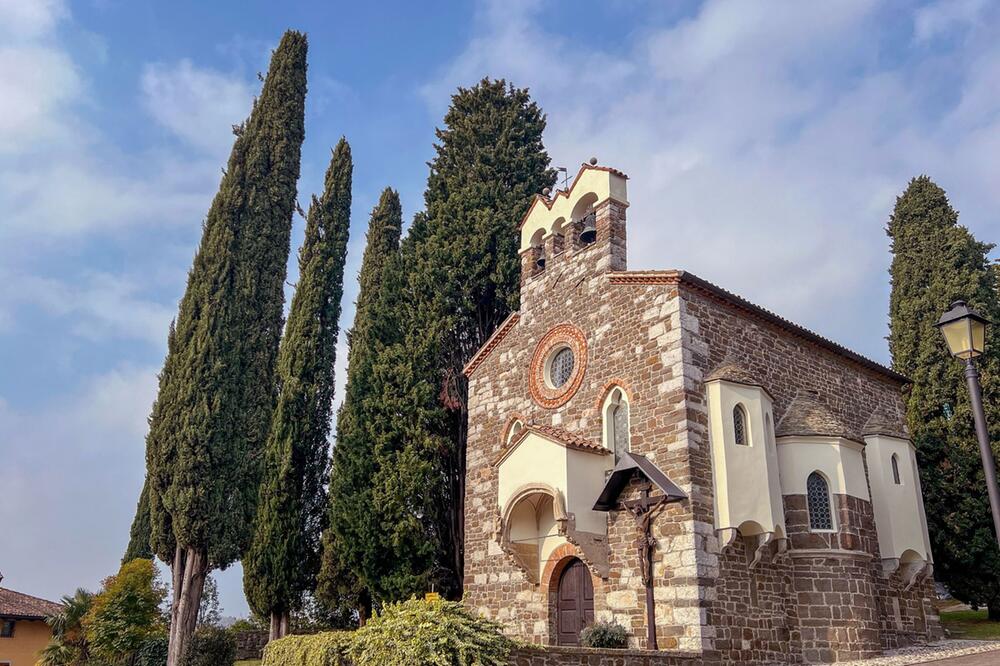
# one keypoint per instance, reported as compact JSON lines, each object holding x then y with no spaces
{"x":837,"y":601}
{"x":632,"y":337}
{"x":658,"y":339}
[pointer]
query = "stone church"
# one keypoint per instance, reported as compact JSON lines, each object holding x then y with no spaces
{"x":650,"y":449}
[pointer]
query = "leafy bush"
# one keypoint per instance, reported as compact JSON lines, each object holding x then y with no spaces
{"x":153,"y":652}
{"x":604,"y":635}
{"x":126,"y":612}
{"x":211,"y":646}
{"x":439,"y":633}
{"x":326,"y":649}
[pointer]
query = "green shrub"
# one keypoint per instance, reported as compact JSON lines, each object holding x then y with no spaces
{"x":152,"y":652}
{"x":604,"y":635}
{"x":211,"y":646}
{"x":326,"y":649}
{"x":438,"y":633}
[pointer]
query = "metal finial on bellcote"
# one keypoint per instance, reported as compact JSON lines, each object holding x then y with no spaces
{"x":593,"y":161}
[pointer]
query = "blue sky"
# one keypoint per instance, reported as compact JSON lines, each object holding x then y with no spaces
{"x":765,"y":142}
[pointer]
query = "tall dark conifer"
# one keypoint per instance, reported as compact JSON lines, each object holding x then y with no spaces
{"x":459,"y":279}
{"x":216,"y":394}
{"x":284,"y":556}
{"x":138,"y":543}
{"x":935,"y":262}
{"x":342,"y":580}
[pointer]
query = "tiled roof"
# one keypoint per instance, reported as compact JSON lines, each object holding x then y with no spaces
{"x":882,"y":423}
{"x":732,"y":372}
{"x":25,"y":607}
{"x":569,"y":439}
{"x":807,"y":415}
{"x":557,"y":435}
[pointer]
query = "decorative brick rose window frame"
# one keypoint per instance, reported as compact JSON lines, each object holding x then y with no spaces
{"x":563,"y":335}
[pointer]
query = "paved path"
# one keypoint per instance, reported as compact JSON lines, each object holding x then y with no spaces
{"x":982,"y":659}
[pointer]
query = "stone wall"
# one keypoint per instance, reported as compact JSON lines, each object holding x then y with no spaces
{"x":837,"y":603}
{"x":567,"y":656}
{"x":657,"y":336}
{"x":250,"y":644}
{"x":633,"y":339}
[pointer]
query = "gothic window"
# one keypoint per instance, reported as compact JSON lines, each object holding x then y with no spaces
{"x":616,"y":423}
{"x":895,"y":469}
{"x":561,"y":367}
{"x":740,"y":425}
{"x":818,"y":500}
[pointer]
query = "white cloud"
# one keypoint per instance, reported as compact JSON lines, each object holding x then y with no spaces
{"x":198,"y":105}
{"x":765,"y":141}
{"x":28,"y":19}
{"x":97,"y":306}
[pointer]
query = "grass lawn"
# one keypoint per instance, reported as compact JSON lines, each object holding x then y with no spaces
{"x":248,"y":662}
{"x":970,"y":624}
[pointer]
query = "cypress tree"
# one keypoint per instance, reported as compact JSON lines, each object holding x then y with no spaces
{"x":217,"y":389}
{"x":937,"y":261}
{"x":460,"y":276}
{"x":341,"y":579}
{"x":284,"y":556}
{"x":139,"y":535}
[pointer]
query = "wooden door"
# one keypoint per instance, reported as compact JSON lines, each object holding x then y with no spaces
{"x":575,"y":606}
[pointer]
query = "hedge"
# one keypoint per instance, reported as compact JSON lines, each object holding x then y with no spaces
{"x":429,"y":633}
{"x":325,"y":649}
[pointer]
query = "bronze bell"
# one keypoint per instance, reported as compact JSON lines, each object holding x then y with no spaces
{"x":589,"y":233}
{"x":541,"y":262}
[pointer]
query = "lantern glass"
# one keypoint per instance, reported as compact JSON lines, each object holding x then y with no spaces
{"x":966,"y":337}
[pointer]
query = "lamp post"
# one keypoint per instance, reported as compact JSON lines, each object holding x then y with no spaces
{"x":964,"y":330}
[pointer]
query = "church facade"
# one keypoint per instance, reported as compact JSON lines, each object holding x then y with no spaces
{"x":650,"y":449}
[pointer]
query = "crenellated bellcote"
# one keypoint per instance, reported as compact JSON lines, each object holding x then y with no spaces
{"x":588,"y":218}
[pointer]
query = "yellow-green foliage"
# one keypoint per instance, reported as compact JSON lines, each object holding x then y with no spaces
{"x":435,"y":633}
{"x":428,"y":633}
{"x":326,"y":649}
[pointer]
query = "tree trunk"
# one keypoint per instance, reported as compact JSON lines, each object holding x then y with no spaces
{"x":279,"y":625}
{"x":189,"y":568}
{"x":993,"y":611}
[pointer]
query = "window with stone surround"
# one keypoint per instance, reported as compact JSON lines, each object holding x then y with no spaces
{"x":818,"y":502}
{"x":894,"y":461}
{"x":513,"y":430}
{"x":740,"y":425}
{"x":561,"y":367}
{"x":616,"y":423}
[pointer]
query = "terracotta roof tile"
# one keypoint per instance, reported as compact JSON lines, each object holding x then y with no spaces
{"x":807,"y":415}
{"x":558,"y":435}
{"x":569,"y":439}
{"x":23,"y":606}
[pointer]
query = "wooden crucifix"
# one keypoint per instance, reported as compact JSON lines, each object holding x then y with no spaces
{"x":645,"y":509}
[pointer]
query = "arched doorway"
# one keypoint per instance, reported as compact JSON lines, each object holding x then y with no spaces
{"x":575,"y":602}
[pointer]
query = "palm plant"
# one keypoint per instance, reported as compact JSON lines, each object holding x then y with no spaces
{"x":68,"y":646}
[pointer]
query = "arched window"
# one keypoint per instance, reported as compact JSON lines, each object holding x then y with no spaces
{"x":895,"y":469}
{"x":616,"y":423}
{"x":513,"y":430}
{"x":740,"y":425}
{"x":818,"y":500}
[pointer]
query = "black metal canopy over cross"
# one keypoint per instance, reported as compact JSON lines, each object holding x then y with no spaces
{"x":644,"y":509}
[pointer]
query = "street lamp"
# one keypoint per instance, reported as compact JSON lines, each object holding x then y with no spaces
{"x":964,"y":330}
